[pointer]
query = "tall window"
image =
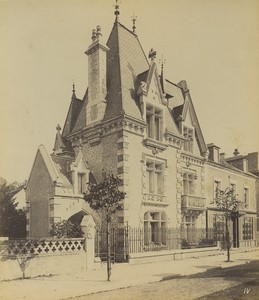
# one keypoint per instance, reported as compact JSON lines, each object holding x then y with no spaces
{"x":248,"y":229}
{"x":188,"y":184}
{"x":219,"y":227}
{"x":154,"y":122}
{"x":216,"y":187}
{"x":81,"y":179}
{"x":155,"y":177}
{"x":246,"y":196}
{"x":233,"y":187}
{"x":189,"y":135}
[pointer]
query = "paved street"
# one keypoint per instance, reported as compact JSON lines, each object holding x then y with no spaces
{"x":181,"y":279}
{"x":239,"y":282}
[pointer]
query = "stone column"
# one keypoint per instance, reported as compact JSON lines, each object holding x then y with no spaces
{"x":88,"y":227}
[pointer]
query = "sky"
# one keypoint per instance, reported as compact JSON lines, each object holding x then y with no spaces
{"x":212,"y":44}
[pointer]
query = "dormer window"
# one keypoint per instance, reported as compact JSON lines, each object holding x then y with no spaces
{"x":154,"y":122}
{"x":188,"y":134}
{"x":81,"y":181}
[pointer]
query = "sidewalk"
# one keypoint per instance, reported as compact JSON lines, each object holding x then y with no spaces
{"x":123,"y":275}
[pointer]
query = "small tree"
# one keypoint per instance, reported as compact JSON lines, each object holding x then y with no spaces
{"x":226,"y":201}
{"x":107,"y":197}
{"x":12,"y":220}
{"x":66,"y":229}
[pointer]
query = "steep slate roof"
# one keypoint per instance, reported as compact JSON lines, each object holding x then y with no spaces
{"x":80,"y":122}
{"x":127,"y":65}
{"x":72,"y":115}
{"x":177,"y":112}
{"x":174,"y":90}
{"x":223,"y":162}
{"x":61,"y":164}
{"x":125,"y":61}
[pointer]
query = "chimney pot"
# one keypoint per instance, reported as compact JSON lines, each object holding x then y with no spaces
{"x":236,"y":152}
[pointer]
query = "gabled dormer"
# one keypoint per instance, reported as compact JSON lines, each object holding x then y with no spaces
{"x":79,"y":173}
{"x":188,"y":124}
{"x":152,"y":102}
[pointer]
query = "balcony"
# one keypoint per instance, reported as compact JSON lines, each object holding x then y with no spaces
{"x":155,"y":199}
{"x":193,"y":203}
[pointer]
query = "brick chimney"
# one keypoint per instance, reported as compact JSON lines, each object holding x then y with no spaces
{"x":97,"y":85}
{"x":236,"y":152}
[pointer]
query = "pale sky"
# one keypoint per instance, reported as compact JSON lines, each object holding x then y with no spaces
{"x":212,"y":44}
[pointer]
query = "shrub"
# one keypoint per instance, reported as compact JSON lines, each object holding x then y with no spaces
{"x":66,"y":229}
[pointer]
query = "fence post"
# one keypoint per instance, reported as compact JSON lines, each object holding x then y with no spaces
{"x":88,"y":228}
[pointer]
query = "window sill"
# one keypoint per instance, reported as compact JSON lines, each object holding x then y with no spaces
{"x":156,"y":145}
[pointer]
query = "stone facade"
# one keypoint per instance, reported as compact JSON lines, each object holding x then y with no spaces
{"x":143,"y":128}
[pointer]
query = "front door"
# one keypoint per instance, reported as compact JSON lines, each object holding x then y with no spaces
{"x":235,"y":233}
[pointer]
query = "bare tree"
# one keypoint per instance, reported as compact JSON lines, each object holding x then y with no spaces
{"x":227,"y":203}
{"x":107,"y":197}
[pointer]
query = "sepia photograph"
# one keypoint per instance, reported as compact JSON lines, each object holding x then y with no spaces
{"x":129,"y":155}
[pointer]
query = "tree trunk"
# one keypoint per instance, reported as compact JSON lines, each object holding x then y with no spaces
{"x":227,"y":239}
{"x":108,"y":252}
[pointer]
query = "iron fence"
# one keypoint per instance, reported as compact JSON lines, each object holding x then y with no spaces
{"x":128,"y":240}
{"x":142,"y":239}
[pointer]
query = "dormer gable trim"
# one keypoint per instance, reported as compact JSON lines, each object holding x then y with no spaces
{"x":79,"y":158}
{"x":188,"y":106}
{"x":145,"y":85}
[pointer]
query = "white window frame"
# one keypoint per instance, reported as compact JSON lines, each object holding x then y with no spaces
{"x":81,"y":182}
{"x":216,"y":184}
{"x":154,"y":121}
{"x":188,"y":133}
{"x":155,"y":176}
{"x":246,"y":194}
{"x":189,"y":183}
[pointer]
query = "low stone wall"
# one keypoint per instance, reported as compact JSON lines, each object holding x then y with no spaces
{"x":41,"y":258}
{"x":148,"y":257}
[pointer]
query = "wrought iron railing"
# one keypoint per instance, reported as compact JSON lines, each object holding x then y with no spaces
{"x":138,"y":240}
{"x":142,"y":239}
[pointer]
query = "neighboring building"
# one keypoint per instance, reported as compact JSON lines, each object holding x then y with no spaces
{"x":144,"y":128}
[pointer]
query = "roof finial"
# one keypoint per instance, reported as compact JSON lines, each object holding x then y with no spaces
{"x":94,"y":37}
{"x":117,"y":12}
{"x":58,"y":128}
{"x":74,"y":89}
{"x":134,"y":18}
{"x":152,"y":54}
{"x":162,"y":61}
{"x":98,"y":32}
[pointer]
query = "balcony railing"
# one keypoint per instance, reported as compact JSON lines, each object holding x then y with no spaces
{"x":193,"y":202}
{"x":154,"y":198}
